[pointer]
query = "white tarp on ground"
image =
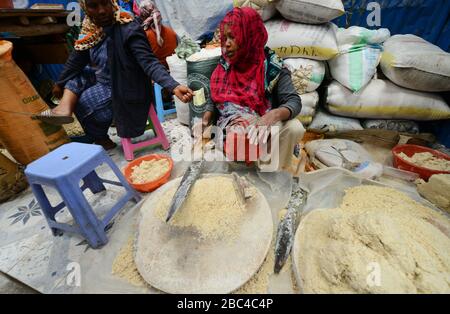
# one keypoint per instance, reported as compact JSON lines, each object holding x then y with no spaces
{"x":194,"y":17}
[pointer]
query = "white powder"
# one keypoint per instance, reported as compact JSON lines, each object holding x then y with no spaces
{"x":149,"y":170}
{"x":213,"y":208}
{"x":378,"y":241}
{"x":427,"y":160}
{"x":125,"y":268}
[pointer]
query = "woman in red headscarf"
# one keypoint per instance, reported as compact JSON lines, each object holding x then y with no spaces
{"x":250,"y":87}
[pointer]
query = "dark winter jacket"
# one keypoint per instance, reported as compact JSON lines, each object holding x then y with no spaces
{"x":133,"y":66}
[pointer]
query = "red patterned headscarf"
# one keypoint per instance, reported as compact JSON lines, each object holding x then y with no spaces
{"x":242,"y":81}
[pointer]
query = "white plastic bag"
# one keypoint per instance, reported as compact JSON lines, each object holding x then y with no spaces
{"x":307,"y":75}
{"x":382,"y":99}
{"x":412,"y":62}
{"x":266,"y":8}
{"x":293,"y":40}
{"x":403,"y":126}
{"x":178,"y":70}
{"x":354,"y":35}
{"x":268,"y":12}
{"x":200,"y":67}
{"x":309,"y":106}
{"x":309,"y":103}
{"x":343,"y":153}
{"x":205,"y":54}
{"x":329,"y":123}
{"x":359,"y":55}
{"x":311,"y":11}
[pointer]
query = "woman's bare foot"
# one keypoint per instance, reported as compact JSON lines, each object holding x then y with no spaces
{"x":61,"y":114}
{"x":61,"y":111}
{"x":67,"y":104}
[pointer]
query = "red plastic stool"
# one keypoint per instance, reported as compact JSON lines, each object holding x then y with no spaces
{"x":160,"y":137}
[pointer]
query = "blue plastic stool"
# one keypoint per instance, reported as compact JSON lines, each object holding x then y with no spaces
{"x":63,"y":169}
{"x":160,"y":111}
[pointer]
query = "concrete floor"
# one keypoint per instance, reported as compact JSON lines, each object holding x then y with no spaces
{"x":10,"y":286}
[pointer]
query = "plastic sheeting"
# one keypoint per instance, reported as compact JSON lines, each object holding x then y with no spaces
{"x":196,"y":18}
{"x":326,"y":188}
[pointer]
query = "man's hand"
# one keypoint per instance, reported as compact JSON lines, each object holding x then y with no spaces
{"x":261,"y":131}
{"x":57,"y":91}
{"x":183,"y":93}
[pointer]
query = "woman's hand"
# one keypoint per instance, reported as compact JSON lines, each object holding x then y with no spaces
{"x":272,"y":117}
{"x":183,"y":93}
{"x":204,"y":127}
{"x":57,"y":91}
{"x":261,"y":131}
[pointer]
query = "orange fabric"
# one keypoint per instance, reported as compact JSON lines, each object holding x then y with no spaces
{"x":170,"y":43}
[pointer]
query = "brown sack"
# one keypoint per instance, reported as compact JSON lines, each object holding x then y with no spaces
{"x":26,"y":139}
{"x":12,"y":179}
